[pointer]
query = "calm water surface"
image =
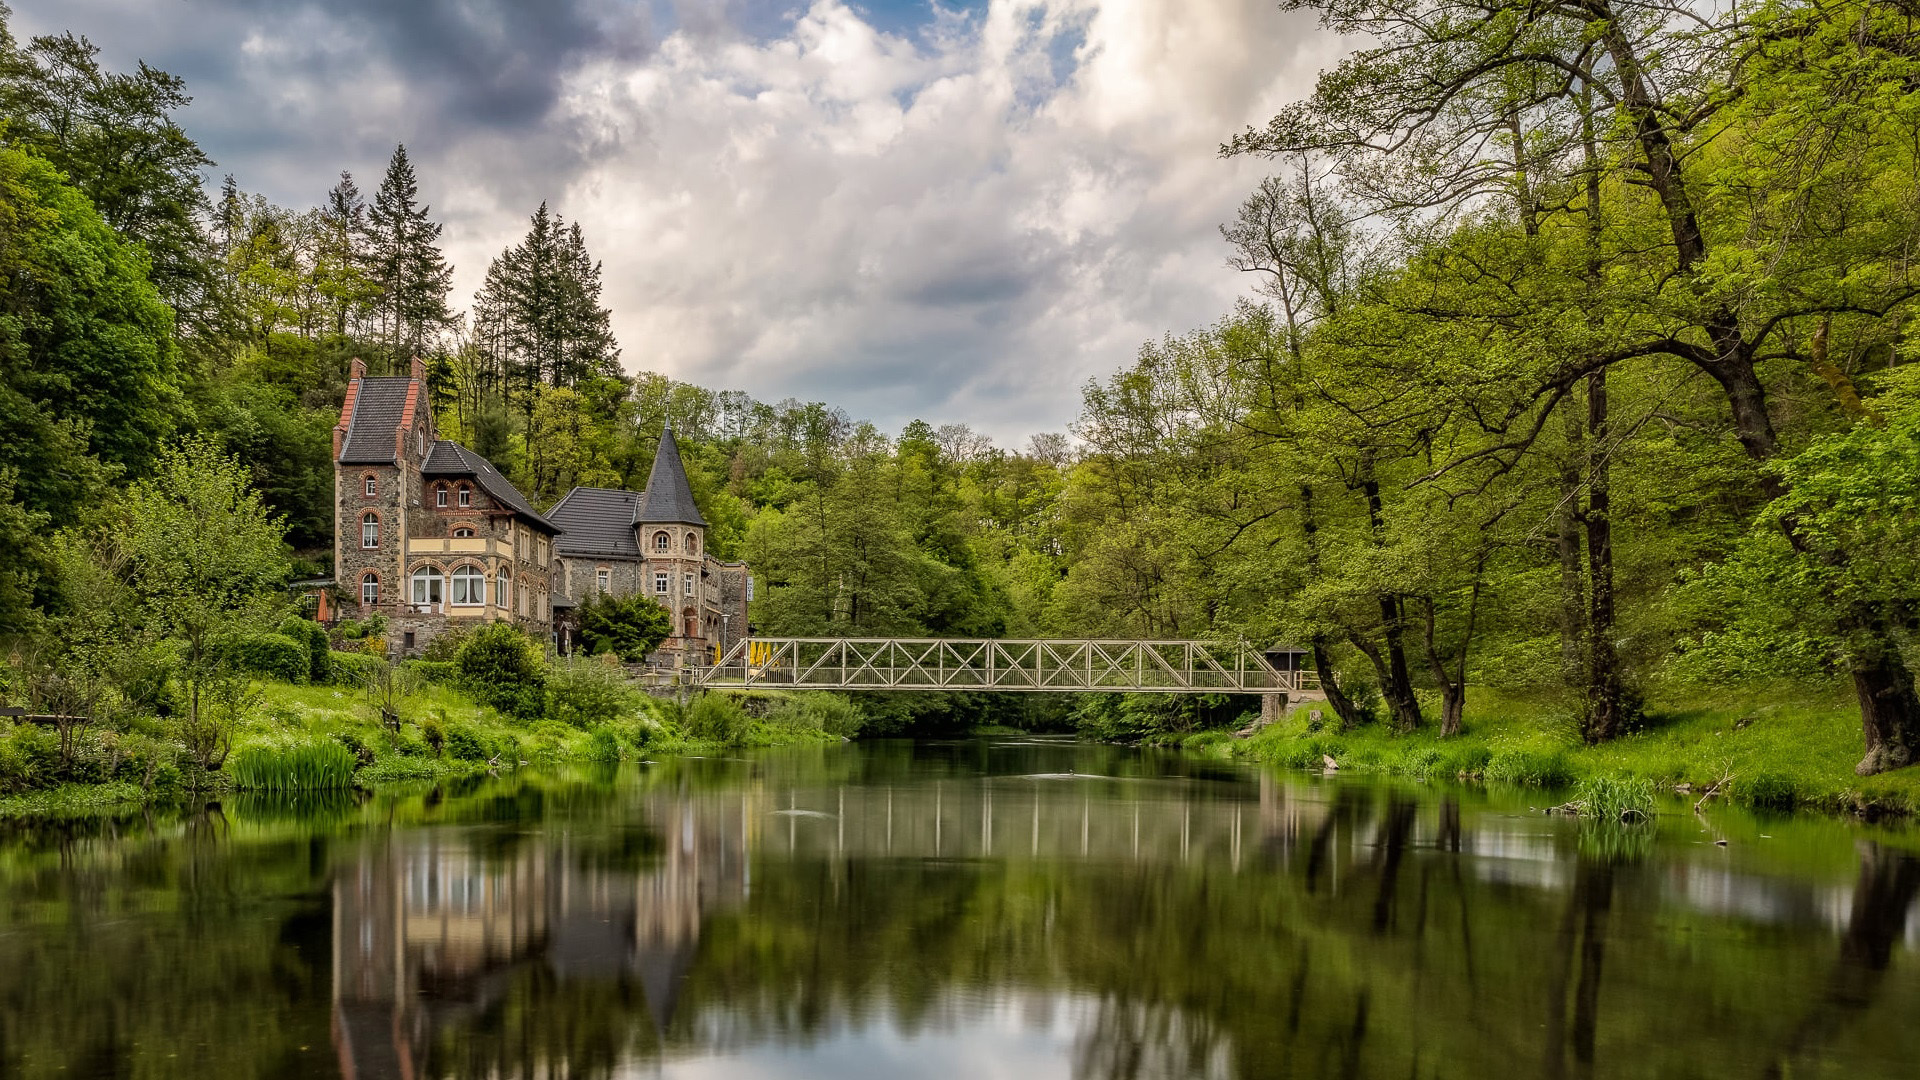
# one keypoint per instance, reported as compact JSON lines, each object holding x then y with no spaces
{"x":1015,"y":908}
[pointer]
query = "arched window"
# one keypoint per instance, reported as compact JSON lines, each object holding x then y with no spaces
{"x":503,"y":591}
{"x":693,"y":544}
{"x":466,"y":495}
{"x":370,"y":530}
{"x":469,"y":587}
{"x":370,"y":484}
{"x":426,"y":587}
{"x":660,"y":541}
{"x":370,"y":590}
{"x":462,"y":534}
{"x":439,"y":494}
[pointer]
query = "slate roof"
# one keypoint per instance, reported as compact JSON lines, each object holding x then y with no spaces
{"x":597,"y":521}
{"x":668,"y":499}
{"x":377,"y":410}
{"x":449,"y":458}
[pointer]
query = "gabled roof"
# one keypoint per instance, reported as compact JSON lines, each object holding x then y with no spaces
{"x":373,"y":430}
{"x":449,"y":458}
{"x":597,"y":521}
{"x":668,"y":499}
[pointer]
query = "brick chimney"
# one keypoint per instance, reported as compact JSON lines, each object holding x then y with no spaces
{"x":418,"y":370}
{"x":356,"y":368}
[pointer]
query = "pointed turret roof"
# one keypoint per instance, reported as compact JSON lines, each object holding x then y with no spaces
{"x":668,"y":499}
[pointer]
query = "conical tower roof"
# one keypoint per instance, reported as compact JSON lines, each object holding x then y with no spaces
{"x":668,"y":498}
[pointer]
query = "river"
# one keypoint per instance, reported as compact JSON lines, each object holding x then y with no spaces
{"x":1020,"y":908}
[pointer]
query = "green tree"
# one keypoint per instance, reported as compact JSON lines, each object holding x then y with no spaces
{"x":629,"y":627}
{"x":404,"y":263}
{"x":201,"y":553}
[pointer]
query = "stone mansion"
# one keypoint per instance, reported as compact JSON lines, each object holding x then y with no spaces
{"x":430,"y":535}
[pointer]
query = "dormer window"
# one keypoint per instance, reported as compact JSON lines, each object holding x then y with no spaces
{"x":661,"y":542}
{"x":372,"y":486}
{"x":466,"y":495}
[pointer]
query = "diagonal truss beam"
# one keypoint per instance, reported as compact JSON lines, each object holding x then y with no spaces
{"x":1029,"y":665}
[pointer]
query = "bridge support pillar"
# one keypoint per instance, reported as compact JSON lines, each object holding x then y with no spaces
{"x":1272,"y":708}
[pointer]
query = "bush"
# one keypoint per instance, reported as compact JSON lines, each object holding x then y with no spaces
{"x":835,"y":714}
{"x":604,"y":746}
{"x":355,"y":668}
{"x":319,"y":647}
{"x":588,"y":693}
{"x":314,"y":766}
{"x":465,"y":744}
{"x":438,"y":672}
{"x":1530,"y":768}
{"x":276,"y":656}
{"x":503,"y":668}
{"x":29,"y":759}
{"x":628,"y":627}
{"x":718,"y":718}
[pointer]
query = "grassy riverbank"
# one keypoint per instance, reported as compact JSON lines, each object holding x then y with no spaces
{"x":307,"y":737}
{"x":1783,"y":749}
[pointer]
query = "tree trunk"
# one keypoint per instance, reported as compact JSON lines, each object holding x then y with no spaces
{"x":1889,"y":709}
{"x":1602,"y":719}
{"x":1396,"y":683}
{"x":1337,"y":699}
{"x":1573,"y":600}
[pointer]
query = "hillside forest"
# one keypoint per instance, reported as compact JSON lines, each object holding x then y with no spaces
{"x":1577,"y":361}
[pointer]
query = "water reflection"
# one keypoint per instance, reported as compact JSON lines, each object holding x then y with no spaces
{"x":951,"y":909}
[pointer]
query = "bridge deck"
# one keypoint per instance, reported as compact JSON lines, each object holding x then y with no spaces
{"x":1032,"y":666}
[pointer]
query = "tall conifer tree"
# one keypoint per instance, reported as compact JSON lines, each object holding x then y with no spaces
{"x":405,"y":262}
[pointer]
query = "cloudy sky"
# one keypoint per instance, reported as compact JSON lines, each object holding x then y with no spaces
{"x":957,"y":210}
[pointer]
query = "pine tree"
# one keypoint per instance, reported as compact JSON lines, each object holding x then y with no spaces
{"x":340,"y":262}
{"x":406,"y":263}
{"x":539,"y":315}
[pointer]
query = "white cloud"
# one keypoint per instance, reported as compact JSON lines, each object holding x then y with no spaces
{"x":963,"y":226}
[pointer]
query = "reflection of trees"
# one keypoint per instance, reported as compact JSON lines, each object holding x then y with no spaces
{"x":1883,"y":894}
{"x":1581,"y":942}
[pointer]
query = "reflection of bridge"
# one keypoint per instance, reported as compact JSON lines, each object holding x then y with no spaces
{"x":1168,"y":667}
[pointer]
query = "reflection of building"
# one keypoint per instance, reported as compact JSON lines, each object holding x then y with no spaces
{"x":427,"y":931}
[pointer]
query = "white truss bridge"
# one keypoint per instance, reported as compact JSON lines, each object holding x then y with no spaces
{"x":1033,"y":666}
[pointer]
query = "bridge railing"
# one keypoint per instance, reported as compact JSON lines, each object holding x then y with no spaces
{"x":1023,"y":665}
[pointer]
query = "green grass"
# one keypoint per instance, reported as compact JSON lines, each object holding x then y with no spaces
{"x":70,"y":800}
{"x":320,"y":765}
{"x":1780,"y":748}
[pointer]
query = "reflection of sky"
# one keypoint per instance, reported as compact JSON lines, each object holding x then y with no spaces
{"x":1016,"y":1036}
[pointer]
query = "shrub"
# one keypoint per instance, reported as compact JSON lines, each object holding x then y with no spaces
{"x":835,"y":714}
{"x":502,"y":667}
{"x":29,"y":759}
{"x":314,"y":766}
{"x":588,"y":693}
{"x":433,"y":730}
{"x":629,"y":626}
{"x":438,"y":672}
{"x":319,"y":647}
{"x":356,"y":746}
{"x":465,"y":744}
{"x":603,"y":746}
{"x":1530,"y":768}
{"x":355,"y":668}
{"x":276,"y":656}
{"x":717,"y":718}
